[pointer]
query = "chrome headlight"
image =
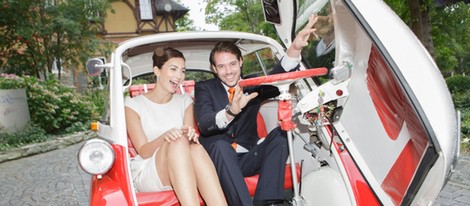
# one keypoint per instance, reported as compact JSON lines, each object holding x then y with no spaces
{"x":96,"y":157}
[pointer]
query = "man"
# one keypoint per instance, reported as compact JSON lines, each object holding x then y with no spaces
{"x":229,"y":131}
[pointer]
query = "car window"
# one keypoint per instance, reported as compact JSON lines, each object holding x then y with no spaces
{"x":321,"y":50}
{"x":196,"y":75}
{"x":258,"y":63}
{"x":143,"y":83}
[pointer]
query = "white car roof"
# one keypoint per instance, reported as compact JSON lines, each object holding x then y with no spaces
{"x":196,"y":47}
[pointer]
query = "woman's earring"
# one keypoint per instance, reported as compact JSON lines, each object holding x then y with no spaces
{"x":158,"y":77}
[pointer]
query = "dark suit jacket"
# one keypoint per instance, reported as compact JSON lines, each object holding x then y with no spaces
{"x":211,"y":97}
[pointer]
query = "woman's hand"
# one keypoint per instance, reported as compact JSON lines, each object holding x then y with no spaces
{"x":172,"y":134}
{"x":191,"y":133}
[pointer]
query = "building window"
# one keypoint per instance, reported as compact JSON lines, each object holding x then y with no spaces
{"x":145,"y":10}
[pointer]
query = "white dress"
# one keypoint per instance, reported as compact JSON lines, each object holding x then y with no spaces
{"x":156,"y":119}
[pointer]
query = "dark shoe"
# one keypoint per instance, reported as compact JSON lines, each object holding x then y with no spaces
{"x":268,"y":203}
{"x":276,"y":203}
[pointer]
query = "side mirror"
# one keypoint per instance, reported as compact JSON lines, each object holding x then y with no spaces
{"x":271,"y":11}
{"x":94,"y":66}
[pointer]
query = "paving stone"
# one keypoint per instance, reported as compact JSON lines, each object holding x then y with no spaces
{"x":50,"y":178}
{"x":55,"y":178}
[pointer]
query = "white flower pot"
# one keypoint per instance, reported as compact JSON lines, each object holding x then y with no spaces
{"x":14,"y":111}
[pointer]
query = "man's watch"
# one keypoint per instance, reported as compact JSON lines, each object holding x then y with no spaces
{"x":227,"y":109}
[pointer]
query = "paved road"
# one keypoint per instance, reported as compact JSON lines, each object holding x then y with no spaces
{"x":457,"y":190}
{"x":54,"y":178}
{"x":51,"y":178}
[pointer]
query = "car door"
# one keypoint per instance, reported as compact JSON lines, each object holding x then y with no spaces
{"x":398,"y":124}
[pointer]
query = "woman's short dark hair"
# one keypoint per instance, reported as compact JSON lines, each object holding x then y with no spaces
{"x":225,"y":46}
{"x":163,"y":54}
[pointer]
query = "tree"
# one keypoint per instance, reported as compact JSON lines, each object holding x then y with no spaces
{"x":452,"y":28}
{"x":420,"y":22}
{"x":442,"y":27}
{"x":416,"y":13}
{"x":239,"y":15}
{"x":185,"y":23}
{"x":17,"y":35}
{"x":40,"y":34}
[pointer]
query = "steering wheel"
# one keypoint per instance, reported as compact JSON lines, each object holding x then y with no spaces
{"x":282,"y":82}
{"x":283,"y":78}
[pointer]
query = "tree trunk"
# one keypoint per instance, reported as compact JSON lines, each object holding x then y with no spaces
{"x":58,"y":62}
{"x":421,"y":23}
{"x":427,"y":34}
{"x":415,"y":13}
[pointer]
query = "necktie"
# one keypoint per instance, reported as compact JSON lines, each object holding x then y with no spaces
{"x":231,"y":92}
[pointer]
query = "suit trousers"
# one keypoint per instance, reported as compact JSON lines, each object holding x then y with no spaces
{"x":267,"y":159}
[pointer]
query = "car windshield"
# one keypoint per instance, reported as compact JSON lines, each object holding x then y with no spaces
{"x":255,"y":63}
{"x":321,"y":51}
{"x":307,"y":7}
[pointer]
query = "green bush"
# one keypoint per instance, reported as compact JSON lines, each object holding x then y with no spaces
{"x":99,"y":98}
{"x":54,"y":107}
{"x":461,"y":99}
{"x":465,"y":115}
{"x":459,"y":87}
{"x":11,"y":81}
{"x":458,"y":83}
{"x":30,"y":134}
{"x":465,"y":129}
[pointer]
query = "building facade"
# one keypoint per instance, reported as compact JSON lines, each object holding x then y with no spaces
{"x":131,"y":18}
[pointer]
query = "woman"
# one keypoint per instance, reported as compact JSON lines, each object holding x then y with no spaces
{"x":160,"y":126}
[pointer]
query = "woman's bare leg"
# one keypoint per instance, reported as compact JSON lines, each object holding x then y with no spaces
{"x":206,"y":176}
{"x":175,"y":168}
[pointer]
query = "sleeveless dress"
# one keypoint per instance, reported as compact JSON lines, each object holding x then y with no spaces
{"x":156,"y":119}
